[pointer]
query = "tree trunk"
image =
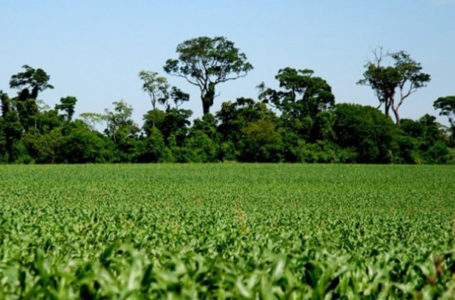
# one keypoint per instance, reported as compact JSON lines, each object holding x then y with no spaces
{"x":205,"y":107}
{"x":397,"y":115}
{"x":208,"y":98}
{"x":154,"y":111}
{"x":386,"y":107}
{"x":34,"y":94}
{"x":9,"y":149}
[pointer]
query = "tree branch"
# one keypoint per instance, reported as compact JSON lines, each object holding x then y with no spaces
{"x":230,"y":78}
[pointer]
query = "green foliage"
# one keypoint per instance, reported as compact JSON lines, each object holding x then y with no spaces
{"x":171,"y":123}
{"x":67,"y":106}
{"x":153,"y":148}
{"x":122,"y":130}
{"x":429,"y":139}
{"x":369,"y":133}
{"x":156,"y":86}
{"x":303,"y":101}
{"x":302,"y":94}
{"x":44,"y":147}
{"x":206,"y":62}
{"x":82,"y":145}
{"x":408,"y":152}
{"x":404,"y":75}
{"x":446,"y":105}
{"x":234,"y":118}
{"x":12,"y":129}
{"x":201,"y":147}
{"x":438,"y":153}
{"x":230,"y":231}
{"x":262,"y":143}
{"x":30,"y":82}
{"x":93,"y":119}
{"x":297,"y":122}
{"x":325,"y":152}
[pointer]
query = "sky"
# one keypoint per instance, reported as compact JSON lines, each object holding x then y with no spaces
{"x":95,"y":49}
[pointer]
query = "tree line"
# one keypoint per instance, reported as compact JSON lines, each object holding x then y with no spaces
{"x":298,"y":122}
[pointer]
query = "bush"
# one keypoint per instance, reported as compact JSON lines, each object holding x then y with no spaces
{"x":261,"y":143}
{"x":153,"y":148}
{"x":82,"y":145}
{"x":438,"y":153}
{"x":365,"y":130}
{"x":201,"y":148}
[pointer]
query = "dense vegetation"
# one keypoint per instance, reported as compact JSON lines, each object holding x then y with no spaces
{"x":298,"y":122}
{"x":227,"y":231}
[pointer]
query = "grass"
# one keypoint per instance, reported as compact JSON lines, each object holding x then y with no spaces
{"x":227,"y":231}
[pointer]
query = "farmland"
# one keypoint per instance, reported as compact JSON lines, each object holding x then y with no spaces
{"x":227,"y":231}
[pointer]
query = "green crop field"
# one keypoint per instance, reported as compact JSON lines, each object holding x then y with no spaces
{"x":227,"y":231}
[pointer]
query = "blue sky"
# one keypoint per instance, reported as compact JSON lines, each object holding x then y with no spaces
{"x":95,"y":49}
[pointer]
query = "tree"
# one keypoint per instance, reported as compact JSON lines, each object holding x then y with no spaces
{"x":122,"y":130}
{"x":6,"y":103}
{"x":262,"y":142}
{"x":171,"y":123}
{"x":118,"y":119}
{"x":206,"y":62}
{"x":200,"y":147}
{"x":158,"y":89}
{"x":178,"y":96}
{"x":67,"y":105}
{"x":301,"y":98}
{"x":426,"y":132}
{"x":30,"y":82}
{"x":93,"y":119}
{"x":302,"y":94}
{"x":367,"y":131}
{"x":12,"y":127}
{"x":4,"y":109}
{"x":13,"y":131}
{"x":235,"y":116}
{"x":82,"y":145}
{"x":446,"y":105}
{"x":404,"y":75}
{"x":153,"y":148}
{"x":44,"y":148}
{"x":156,"y":86}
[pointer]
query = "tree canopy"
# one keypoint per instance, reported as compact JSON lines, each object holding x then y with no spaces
{"x":30,"y":82}
{"x":446,"y":107}
{"x":404,"y":77}
{"x":296,"y":121}
{"x":206,"y":62}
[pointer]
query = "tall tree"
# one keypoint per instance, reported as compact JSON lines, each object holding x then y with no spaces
{"x":178,"y":96}
{"x":6,"y":103}
{"x":404,"y":75}
{"x":12,"y":127}
{"x":122,"y":130}
{"x":30,"y":82}
{"x":300,"y":100}
{"x":206,"y":62}
{"x":119,"y":122}
{"x":446,"y":105}
{"x":156,"y":87}
{"x":67,"y":106}
{"x":301,"y":93}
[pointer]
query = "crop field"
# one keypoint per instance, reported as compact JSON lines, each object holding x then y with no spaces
{"x":227,"y":231}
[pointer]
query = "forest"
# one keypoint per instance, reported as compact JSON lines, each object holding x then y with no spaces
{"x":299,"y":121}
